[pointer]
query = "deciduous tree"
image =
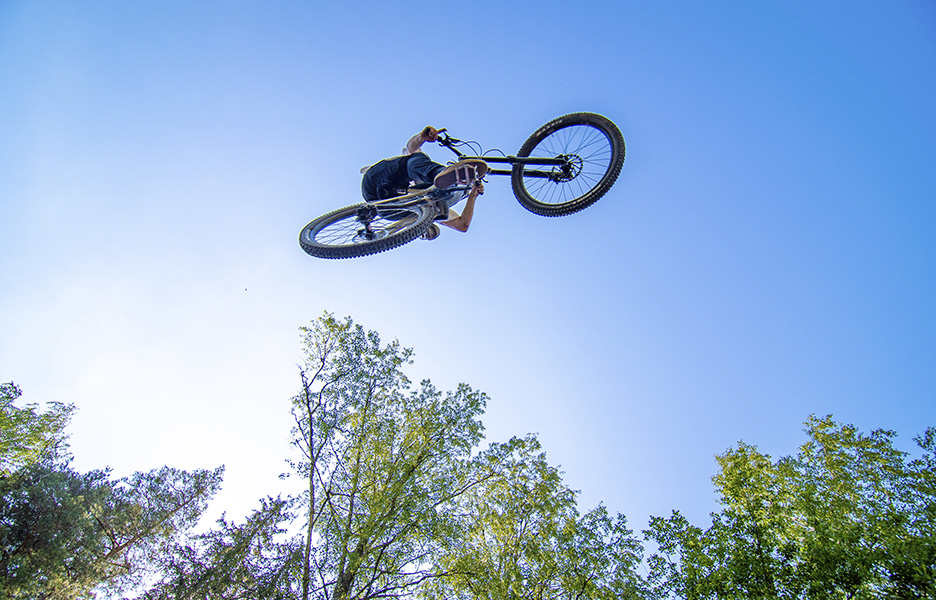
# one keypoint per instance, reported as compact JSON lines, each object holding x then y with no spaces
{"x":523,"y":538}
{"x":399,"y":500}
{"x":849,"y":516}
{"x":383,"y":464}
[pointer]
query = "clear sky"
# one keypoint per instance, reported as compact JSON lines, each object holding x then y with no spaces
{"x":769,"y":251}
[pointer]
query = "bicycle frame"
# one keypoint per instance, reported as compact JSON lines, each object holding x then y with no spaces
{"x":418,"y":197}
{"x":563,"y":167}
{"x":559,"y":161}
{"x":439,"y":197}
{"x":434,"y":196}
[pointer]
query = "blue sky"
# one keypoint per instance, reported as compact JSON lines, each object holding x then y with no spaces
{"x":767,"y":253}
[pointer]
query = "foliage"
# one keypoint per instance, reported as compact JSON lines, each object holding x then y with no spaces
{"x":25,"y":434}
{"x":848,"y":517}
{"x":398,"y":500}
{"x":65,"y":534}
{"x":382,"y":462}
{"x":248,"y":560}
{"x":523,"y":538}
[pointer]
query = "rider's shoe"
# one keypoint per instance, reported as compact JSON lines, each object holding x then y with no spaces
{"x":464,"y":172}
{"x":431,"y":233}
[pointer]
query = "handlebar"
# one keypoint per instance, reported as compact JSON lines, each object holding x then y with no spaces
{"x":452,"y":144}
{"x":447,"y":140}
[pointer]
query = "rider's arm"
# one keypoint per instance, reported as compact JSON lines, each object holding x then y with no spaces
{"x":429,"y":134}
{"x":460,"y":222}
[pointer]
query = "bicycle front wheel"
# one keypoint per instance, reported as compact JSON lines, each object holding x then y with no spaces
{"x":364,"y":229}
{"x":591,"y":150}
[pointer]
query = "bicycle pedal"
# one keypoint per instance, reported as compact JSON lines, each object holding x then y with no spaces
{"x":460,"y":173}
{"x":467,"y":174}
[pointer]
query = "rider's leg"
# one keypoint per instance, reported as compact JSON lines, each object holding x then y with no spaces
{"x":422,"y":170}
{"x":464,"y":172}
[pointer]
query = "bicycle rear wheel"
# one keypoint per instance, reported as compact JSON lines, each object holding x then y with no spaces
{"x":364,"y":229}
{"x":592,"y":150}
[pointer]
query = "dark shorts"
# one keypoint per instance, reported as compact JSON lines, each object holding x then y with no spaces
{"x":392,"y":176}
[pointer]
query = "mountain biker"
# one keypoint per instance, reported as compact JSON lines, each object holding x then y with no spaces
{"x":392,"y":177}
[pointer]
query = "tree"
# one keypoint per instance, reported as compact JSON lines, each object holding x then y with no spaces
{"x":848,"y":516}
{"x":399,"y":500}
{"x":523,"y":538}
{"x":247,"y":560}
{"x":25,"y":434}
{"x":64,"y":534}
{"x":383,"y":464}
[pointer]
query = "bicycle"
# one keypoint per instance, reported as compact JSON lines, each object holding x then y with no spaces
{"x":565,"y":166}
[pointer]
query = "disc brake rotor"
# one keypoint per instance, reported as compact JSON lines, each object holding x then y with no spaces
{"x":567,"y":171}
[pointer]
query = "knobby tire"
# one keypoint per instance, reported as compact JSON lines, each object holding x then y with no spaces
{"x":596,"y":150}
{"x":339,"y":234}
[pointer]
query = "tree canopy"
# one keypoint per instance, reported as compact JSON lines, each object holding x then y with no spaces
{"x":849,"y":516}
{"x":27,"y":435}
{"x":383,"y":463}
{"x":65,"y":534}
{"x":395,"y":495}
{"x":523,"y":538}
{"x":400,"y":499}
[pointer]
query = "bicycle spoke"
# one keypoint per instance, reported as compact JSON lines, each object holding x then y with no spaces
{"x":587,"y":147}
{"x":353,"y":231}
{"x":364,"y":229}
